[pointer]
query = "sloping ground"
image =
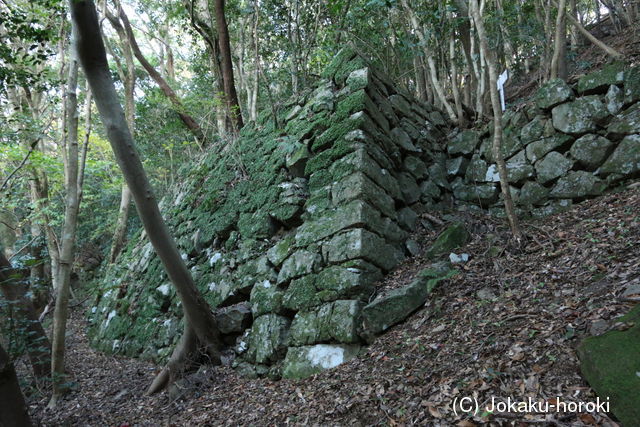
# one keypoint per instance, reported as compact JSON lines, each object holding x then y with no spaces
{"x":506,"y":327}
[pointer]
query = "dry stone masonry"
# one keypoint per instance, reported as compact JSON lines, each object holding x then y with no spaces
{"x":287,"y":231}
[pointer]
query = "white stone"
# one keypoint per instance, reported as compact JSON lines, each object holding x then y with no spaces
{"x":164,"y":289}
{"x":215,"y":258}
{"x":458,"y":259}
{"x":266,"y":284}
{"x":492,"y":174}
{"x":212,"y":286}
{"x":325,"y":356}
{"x":111,"y":315}
{"x":94,"y":309}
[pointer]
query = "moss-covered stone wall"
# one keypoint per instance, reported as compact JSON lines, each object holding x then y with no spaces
{"x":296,"y":224}
{"x":287,"y":230}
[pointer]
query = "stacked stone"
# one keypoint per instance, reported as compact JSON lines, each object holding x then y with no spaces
{"x":574,"y":143}
{"x":365,"y":170}
{"x":290,"y":242}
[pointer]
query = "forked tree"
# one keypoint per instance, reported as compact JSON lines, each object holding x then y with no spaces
{"x":200,"y":329}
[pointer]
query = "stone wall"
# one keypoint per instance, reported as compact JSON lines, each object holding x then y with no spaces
{"x":572,"y":143}
{"x":287,"y":231}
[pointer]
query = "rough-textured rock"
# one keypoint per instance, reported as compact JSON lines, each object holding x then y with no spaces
{"x":457,"y":166}
{"x":554,"y":92}
{"x":537,"y":150}
{"x":632,"y":85}
{"x":464,"y":143}
{"x":336,"y":321}
{"x":614,"y":100}
{"x":518,"y":168}
{"x":611,"y":366}
{"x":626,"y":123}
{"x":625,"y":160}
{"x":577,"y":184}
{"x":554,"y":165}
{"x":362,"y":244}
{"x":266,"y":298}
{"x":580,"y":116}
{"x":533,"y":130}
{"x":395,"y":306}
{"x":302,"y":362}
{"x":298,"y":264}
{"x":354,"y":279}
{"x":599,"y":81}
{"x":476,"y":170}
{"x":268,"y":338}
{"x":234,"y":319}
{"x":532,"y":193}
{"x":590,"y":150}
{"x":484,"y":194}
{"x":409,"y":188}
{"x":455,"y":236}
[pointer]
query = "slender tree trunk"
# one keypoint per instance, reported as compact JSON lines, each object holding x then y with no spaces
{"x":559,"y":59}
{"x":13,"y":408}
{"x":188,"y":121}
{"x":430,"y":62}
{"x":15,"y":291}
{"x":121,"y":224}
{"x":454,"y":83}
{"x":497,"y":120}
{"x":67,"y":250}
{"x":128,"y":76}
{"x":199,"y":318}
{"x":230,"y":95}
{"x":600,"y":44}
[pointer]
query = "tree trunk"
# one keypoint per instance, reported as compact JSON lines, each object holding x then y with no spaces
{"x":497,"y":120}
{"x":559,"y":59}
{"x":67,"y":250}
{"x":430,"y":62}
{"x":198,"y":314}
{"x":230,"y":95}
{"x":606,"y":48}
{"x":13,"y":408}
{"x":188,"y":121}
{"x":15,"y":291}
{"x":121,"y":224}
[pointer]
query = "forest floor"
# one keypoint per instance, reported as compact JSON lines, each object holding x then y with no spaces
{"x":506,"y":326}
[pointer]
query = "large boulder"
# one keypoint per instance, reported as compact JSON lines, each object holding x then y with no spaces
{"x":390,"y":309}
{"x":532,"y":193}
{"x":577,"y":184}
{"x":611,"y":366}
{"x":336,"y":321}
{"x":580,"y":116}
{"x":518,"y":168}
{"x":455,"y":236}
{"x":234,"y":319}
{"x":553,"y":166}
{"x":626,"y":123}
{"x":268,"y":338}
{"x":537,"y":149}
{"x":554,"y":92}
{"x":464,"y":143}
{"x":625,"y":160}
{"x":599,"y":81}
{"x":590,"y":150}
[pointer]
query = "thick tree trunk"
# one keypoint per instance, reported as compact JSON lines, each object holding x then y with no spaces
{"x":67,"y":250}
{"x":497,"y":121}
{"x":13,"y":408}
{"x":198,"y":314}
{"x":230,"y":95}
{"x":600,"y":44}
{"x":15,"y":291}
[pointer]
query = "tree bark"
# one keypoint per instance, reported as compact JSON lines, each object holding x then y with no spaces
{"x":121,"y":224}
{"x":13,"y":408}
{"x":67,"y":250}
{"x":559,"y":59}
{"x":230,"y":95}
{"x":497,"y":120}
{"x":198,"y":314}
{"x":15,"y":291}
{"x":606,"y":48}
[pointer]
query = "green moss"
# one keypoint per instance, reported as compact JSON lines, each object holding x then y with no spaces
{"x":351,"y":104}
{"x":337,"y":65}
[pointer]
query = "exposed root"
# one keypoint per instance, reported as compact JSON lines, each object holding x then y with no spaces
{"x":184,"y":356}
